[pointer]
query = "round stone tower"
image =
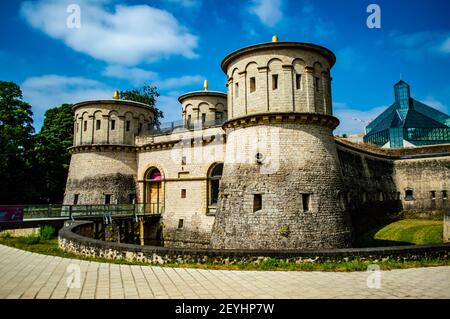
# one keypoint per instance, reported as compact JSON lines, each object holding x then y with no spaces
{"x":281,"y":186}
{"x":103,"y":162}
{"x":203,"y":108}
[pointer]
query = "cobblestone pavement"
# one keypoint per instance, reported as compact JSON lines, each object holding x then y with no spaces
{"x":28,"y":275}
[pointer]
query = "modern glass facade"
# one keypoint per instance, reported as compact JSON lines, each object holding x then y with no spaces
{"x":409,"y":122}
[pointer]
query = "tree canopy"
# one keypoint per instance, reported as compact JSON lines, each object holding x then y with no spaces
{"x":147,"y":95}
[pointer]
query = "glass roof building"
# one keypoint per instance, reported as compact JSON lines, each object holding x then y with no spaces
{"x":408,"y":123}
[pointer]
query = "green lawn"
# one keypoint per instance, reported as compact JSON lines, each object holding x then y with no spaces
{"x":404,"y":232}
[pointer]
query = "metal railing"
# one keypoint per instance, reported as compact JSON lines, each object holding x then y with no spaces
{"x":80,"y":211}
{"x":169,"y":127}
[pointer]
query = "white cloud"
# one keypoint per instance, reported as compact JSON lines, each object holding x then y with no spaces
{"x":354,"y":121}
{"x":431,"y":101}
{"x":47,"y":91}
{"x":445,"y":46}
{"x":136,"y":76}
{"x":415,"y":45}
{"x":269,"y":12}
{"x":118,"y":35}
{"x":190,"y":4}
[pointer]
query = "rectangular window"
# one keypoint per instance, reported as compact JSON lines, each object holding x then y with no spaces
{"x":180,"y":223}
{"x":75,"y":199}
{"x":113,"y":125}
{"x":236,"y":91}
{"x":107,"y":199}
{"x":257,"y":202}
{"x":433,"y":194}
{"x":203,"y":118}
{"x":188,"y":124}
{"x":252,"y":85}
{"x":317,"y":84}
{"x":85,"y":126}
{"x":183,"y":193}
{"x":140,"y":128}
{"x":132,"y":198}
{"x":78,"y":127}
{"x":444,"y":194}
{"x":298,"y":81}
{"x":183,"y":160}
{"x":409,"y":194}
{"x":128,"y":126}
{"x":97,"y":124}
{"x":274,"y":81}
{"x":305,"y":202}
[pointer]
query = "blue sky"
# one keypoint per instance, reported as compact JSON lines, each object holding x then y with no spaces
{"x":176,"y":44}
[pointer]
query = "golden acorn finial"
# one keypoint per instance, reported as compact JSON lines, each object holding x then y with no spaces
{"x":205,"y":85}
{"x":275,"y":38}
{"x":116,"y":95}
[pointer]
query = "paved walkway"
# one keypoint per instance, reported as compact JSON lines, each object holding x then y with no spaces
{"x":28,"y":275}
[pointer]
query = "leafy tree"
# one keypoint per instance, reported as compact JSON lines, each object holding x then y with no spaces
{"x":16,"y":142}
{"x":147,"y":94}
{"x":51,"y":154}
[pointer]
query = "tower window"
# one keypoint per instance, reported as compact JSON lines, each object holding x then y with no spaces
{"x":132,"y":198}
{"x":113,"y":125}
{"x":252,"y":84}
{"x":128,"y":126}
{"x":203,"y":118}
{"x":78,"y":126}
{"x":433,"y":194}
{"x":183,"y":160}
{"x":97,"y":124}
{"x":257,"y":202}
{"x":183,"y":193}
{"x":107,"y":199}
{"x":75,"y":199}
{"x":298,"y":81}
{"x":317,"y":84}
{"x":236,"y":91}
{"x":444,"y":195}
{"x":180,"y":223}
{"x":409,"y":194}
{"x":85,"y":126}
{"x":305,"y":202}
{"x":140,"y":128}
{"x":188,"y":124}
{"x":274,"y":81}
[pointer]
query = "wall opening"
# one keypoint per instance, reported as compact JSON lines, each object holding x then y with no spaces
{"x":203,"y":118}
{"x":317,"y":84}
{"x":306,"y":202}
{"x":252,"y":84}
{"x":154,"y":191}
{"x":257,"y":202}
{"x":214,"y":176}
{"x":183,"y":193}
{"x":433,"y":194}
{"x":409,"y":194}
{"x":274,"y":81}
{"x":113,"y":125}
{"x":180,"y":223}
{"x":298,"y":81}
{"x":128,"y":124}
{"x":85,"y":126}
{"x":444,"y":194}
{"x":97,"y":124}
{"x":132,"y":198}
{"x":236,"y":91}
{"x":75,"y":199}
{"x":183,"y":160}
{"x":107,"y":199}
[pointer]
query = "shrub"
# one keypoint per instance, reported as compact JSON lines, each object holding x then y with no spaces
{"x":46,"y":232}
{"x":31,"y":240}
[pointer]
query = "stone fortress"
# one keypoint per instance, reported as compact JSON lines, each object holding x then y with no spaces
{"x":256,"y":168}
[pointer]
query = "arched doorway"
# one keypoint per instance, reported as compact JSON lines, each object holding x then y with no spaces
{"x":154,"y":191}
{"x":214,"y":176}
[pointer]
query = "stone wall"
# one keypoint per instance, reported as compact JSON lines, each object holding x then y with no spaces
{"x":298,"y":184}
{"x":70,"y":240}
{"x":201,"y":150}
{"x":447,"y":227}
{"x":95,"y":173}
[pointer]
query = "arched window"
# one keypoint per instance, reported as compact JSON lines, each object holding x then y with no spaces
{"x":214,"y":176}
{"x":154,"y":191}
